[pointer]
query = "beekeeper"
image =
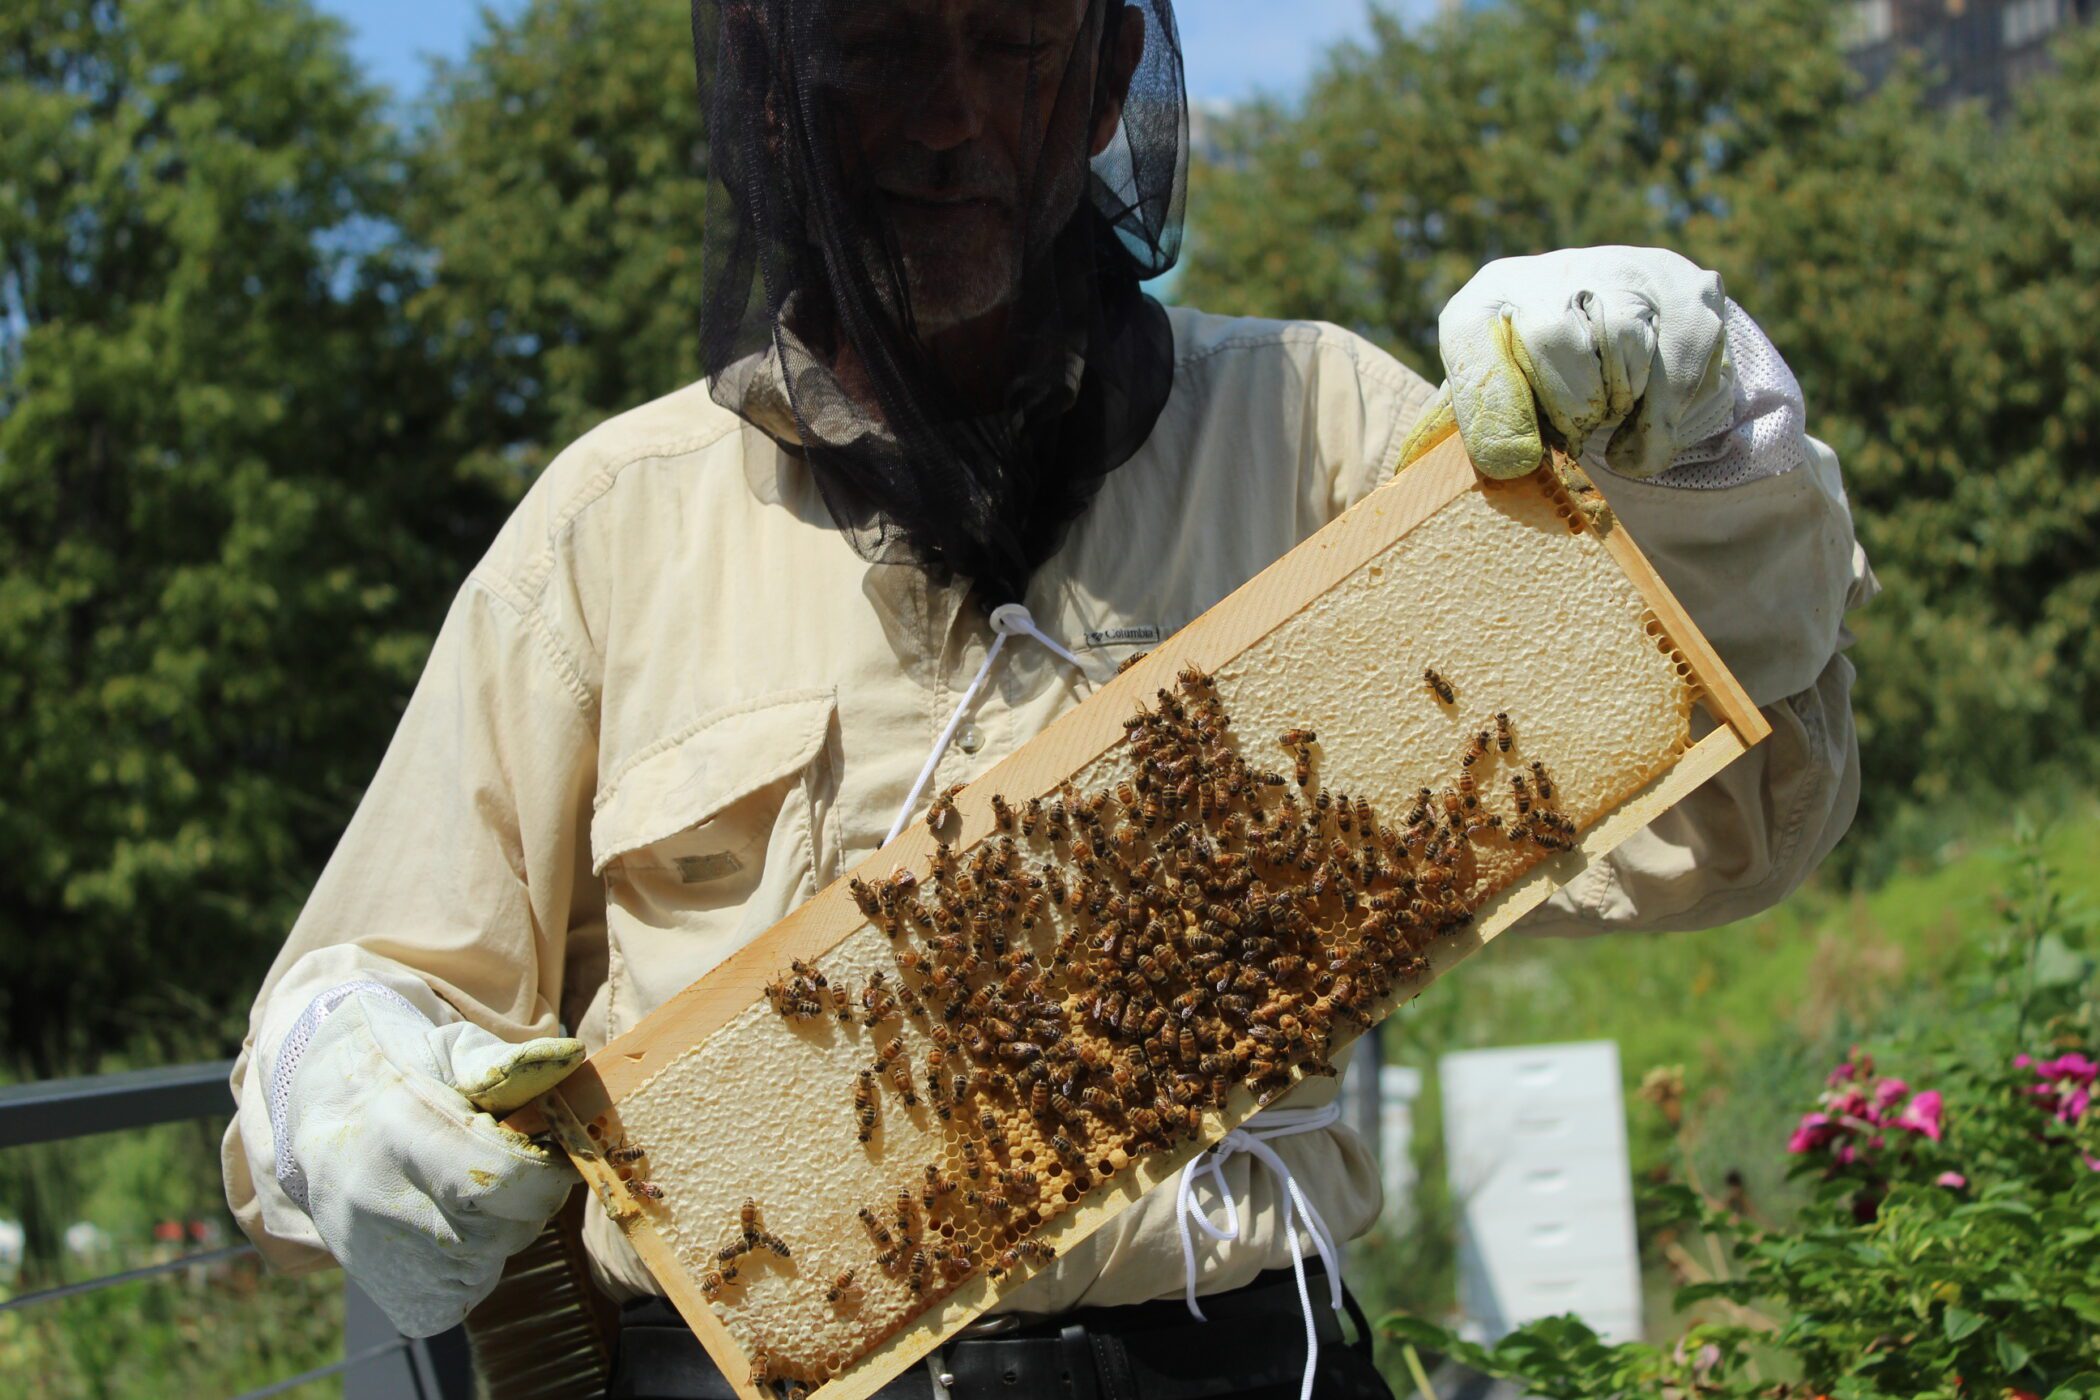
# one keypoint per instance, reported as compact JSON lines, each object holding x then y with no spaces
{"x":701,"y":669}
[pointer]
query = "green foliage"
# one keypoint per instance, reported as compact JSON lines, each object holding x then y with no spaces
{"x":1510,"y":129}
{"x":216,"y":1330}
{"x":1929,"y":275}
{"x":1949,"y":1262}
{"x":559,"y":185}
{"x":226,"y":524}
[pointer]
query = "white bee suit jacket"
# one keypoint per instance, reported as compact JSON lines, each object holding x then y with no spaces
{"x":672,"y":703}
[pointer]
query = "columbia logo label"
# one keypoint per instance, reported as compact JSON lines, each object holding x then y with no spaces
{"x":698,"y":870}
{"x":1146,"y":634}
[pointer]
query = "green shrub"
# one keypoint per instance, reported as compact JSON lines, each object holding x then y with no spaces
{"x":1947,"y":1247}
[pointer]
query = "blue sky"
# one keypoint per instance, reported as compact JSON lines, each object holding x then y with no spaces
{"x":1234,"y":48}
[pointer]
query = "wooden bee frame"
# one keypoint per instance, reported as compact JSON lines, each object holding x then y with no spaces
{"x":1551,"y":587}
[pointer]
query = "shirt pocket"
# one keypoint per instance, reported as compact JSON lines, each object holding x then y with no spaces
{"x":707,"y":839}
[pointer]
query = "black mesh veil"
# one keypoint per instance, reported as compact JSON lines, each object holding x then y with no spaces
{"x":925,"y":235}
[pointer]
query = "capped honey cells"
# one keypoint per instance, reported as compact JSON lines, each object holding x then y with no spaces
{"x":1102,"y":968}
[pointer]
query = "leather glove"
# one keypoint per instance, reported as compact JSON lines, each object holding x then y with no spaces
{"x":1627,"y":339}
{"x":387,"y":1141}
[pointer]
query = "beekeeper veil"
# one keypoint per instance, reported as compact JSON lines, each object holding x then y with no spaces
{"x":926,"y":229}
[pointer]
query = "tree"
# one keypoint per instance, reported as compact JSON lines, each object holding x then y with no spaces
{"x":226,"y":524}
{"x":1929,"y":276}
{"x":1527,"y":126}
{"x":1931,"y":279}
{"x":560,"y":189}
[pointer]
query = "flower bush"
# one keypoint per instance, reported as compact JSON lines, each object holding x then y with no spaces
{"x":1951,"y":1247}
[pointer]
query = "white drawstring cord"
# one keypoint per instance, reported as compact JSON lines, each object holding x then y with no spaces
{"x":1008,"y":620}
{"x":1253,"y":1139}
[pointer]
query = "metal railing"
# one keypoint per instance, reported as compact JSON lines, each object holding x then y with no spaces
{"x":378,"y":1363}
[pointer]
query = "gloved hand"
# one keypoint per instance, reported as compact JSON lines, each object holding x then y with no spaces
{"x":1630,"y":338}
{"x":388,"y":1143}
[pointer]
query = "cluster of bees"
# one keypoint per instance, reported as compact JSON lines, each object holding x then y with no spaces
{"x":1103,"y":968}
{"x":751,"y":1236}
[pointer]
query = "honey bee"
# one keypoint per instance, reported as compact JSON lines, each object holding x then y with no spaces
{"x":988,"y":1122}
{"x":942,"y":811}
{"x":1301,"y":767}
{"x":1438,"y":686}
{"x":899,"y":1071}
{"x":1039,"y":1250}
{"x":1193,"y":678}
{"x":1297,"y":738}
{"x":876,"y":1229}
{"x":731,"y":1252}
{"x":1031,"y":816}
{"x":1539,"y":779}
{"x":774,"y":1243}
{"x":937,"y":1184}
{"x":1504,"y":735}
{"x":1097,"y":1099}
{"x":864,"y":896}
{"x":643,"y":1190}
{"x":864,"y":1103}
{"x":916,"y":1276}
{"x":760,"y":1367}
{"x":1023,"y":1180}
{"x":840,"y":1286}
{"x":1466,"y":787}
{"x":842,"y":1005}
{"x":621,"y":1154}
{"x":747,"y":1217}
{"x":888,"y":1259}
{"x":877,"y":1005}
{"x":1476,"y":749}
{"x":1002,"y":815}
{"x":1521,"y":793}
{"x":973,"y":1166}
{"x":714,"y":1281}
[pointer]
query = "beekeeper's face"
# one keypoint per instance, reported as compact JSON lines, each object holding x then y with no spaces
{"x":974,"y":120}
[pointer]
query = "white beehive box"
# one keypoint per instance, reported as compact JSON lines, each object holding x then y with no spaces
{"x":1535,"y":1139}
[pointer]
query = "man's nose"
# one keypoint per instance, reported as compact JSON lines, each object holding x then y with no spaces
{"x":949,"y":111}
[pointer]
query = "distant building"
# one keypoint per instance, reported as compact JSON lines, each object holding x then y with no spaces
{"x":1972,"y":48}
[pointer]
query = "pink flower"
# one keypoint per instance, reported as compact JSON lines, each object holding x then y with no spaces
{"x":2071,"y":1065}
{"x":1847,"y":1154}
{"x":1888,"y":1091}
{"x":2022,"y":1060}
{"x":2092,"y":1163}
{"x":1953,"y":1181}
{"x":1814,"y":1131}
{"x":1922,"y":1115}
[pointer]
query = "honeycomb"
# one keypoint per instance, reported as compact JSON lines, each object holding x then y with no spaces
{"x":1192,"y":923}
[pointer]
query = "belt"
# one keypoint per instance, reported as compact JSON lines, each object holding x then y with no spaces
{"x":1253,"y":1344}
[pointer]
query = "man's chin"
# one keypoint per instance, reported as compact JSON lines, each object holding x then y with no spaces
{"x":954,"y":285}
